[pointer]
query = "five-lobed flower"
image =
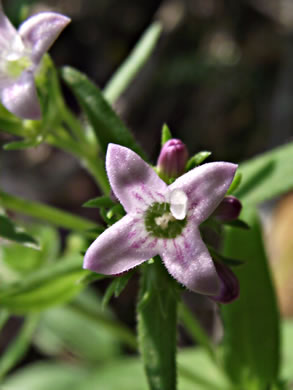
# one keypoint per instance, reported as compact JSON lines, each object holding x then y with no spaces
{"x":21,"y":53}
{"x":161,"y":220}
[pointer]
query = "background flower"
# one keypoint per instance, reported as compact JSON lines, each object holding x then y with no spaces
{"x":21,"y":53}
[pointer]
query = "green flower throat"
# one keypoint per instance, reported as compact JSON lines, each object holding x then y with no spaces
{"x":161,"y":223}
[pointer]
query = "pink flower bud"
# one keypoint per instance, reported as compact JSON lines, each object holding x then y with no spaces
{"x":172,"y":159}
{"x":229,"y":284}
{"x":229,"y":209}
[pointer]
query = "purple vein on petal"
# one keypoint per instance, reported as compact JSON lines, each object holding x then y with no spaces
{"x":178,"y":252}
{"x":138,"y":244}
{"x":146,"y":191}
{"x":153,"y":243}
{"x":131,"y":235}
{"x":185,"y":242}
{"x":138,"y":197}
{"x":160,"y":195}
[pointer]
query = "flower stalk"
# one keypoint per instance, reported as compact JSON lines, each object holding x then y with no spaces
{"x":157,"y":322}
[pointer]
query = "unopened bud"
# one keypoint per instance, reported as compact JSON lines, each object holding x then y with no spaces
{"x":229,"y":284}
{"x":172,"y":159}
{"x":229,"y":209}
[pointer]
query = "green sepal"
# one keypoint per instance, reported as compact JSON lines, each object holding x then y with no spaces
{"x":157,"y":322}
{"x":197,"y":159}
{"x":94,"y":232}
{"x":166,"y":134}
{"x":91,"y":277}
{"x":108,"y":127}
{"x":116,"y":287}
{"x":235,"y":183}
{"x":101,"y":201}
{"x":237,"y":223}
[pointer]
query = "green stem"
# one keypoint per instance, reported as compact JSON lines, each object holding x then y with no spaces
{"x":74,"y":124}
{"x":117,"y":328}
{"x":44,"y":212}
{"x":94,"y":165}
{"x":157,"y":315}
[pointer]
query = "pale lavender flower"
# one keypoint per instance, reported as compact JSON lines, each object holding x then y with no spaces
{"x":162,"y":220}
{"x":172,"y":159}
{"x":21,"y":53}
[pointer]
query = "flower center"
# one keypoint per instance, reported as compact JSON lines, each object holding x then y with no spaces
{"x":15,"y":67}
{"x":161,"y":223}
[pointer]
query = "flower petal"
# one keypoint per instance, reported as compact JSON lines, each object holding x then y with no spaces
{"x":189,"y":262}
{"x":133,"y":181}
{"x":122,"y":246}
{"x":40,"y":31}
{"x":20,"y":97}
{"x":205,"y":187}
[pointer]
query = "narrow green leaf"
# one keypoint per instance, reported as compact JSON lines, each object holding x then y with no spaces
{"x":47,"y":376}
{"x":133,"y":63}
{"x":60,"y":332}
{"x":45,"y":212}
{"x":196,"y":372}
{"x":45,"y":287}
{"x":266,"y":176}
{"x":251,"y":340}
{"x":119,"y":330}
{"x":11,"y":232}
{"x":287,"y":350}
{"x":12,"y":126}
{"x":101,"y":201}
{"x":25,"y":144}
{"x":24,"y":260}
{"x":224,"y":259}
{"x":166,"y":134}
{"x":4,"y":316}
{"x":116,"y":287}
{"x":19,"y":346}
{"x":197,"y":159}
{"x":108,"y":127}
{"x":157,"y":322}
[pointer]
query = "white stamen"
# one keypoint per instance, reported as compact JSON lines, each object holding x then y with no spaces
{"x":178,"y":204}
{"x":164,"y":219}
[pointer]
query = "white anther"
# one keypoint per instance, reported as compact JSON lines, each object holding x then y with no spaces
{"x":178,"y":204}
